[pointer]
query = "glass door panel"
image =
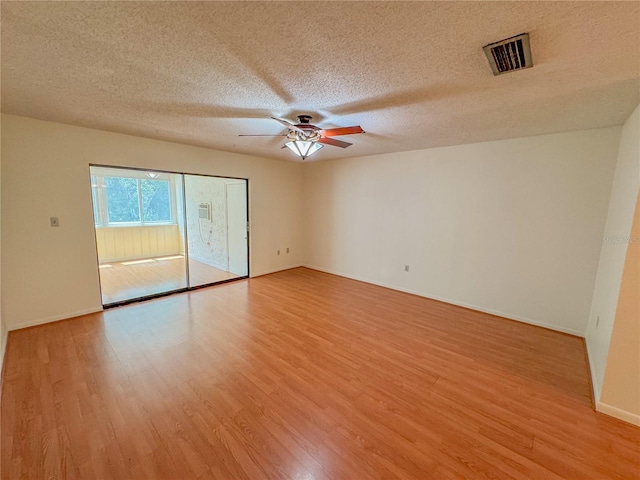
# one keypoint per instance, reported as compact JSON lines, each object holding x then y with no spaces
{"x":216,"y":224}
{"x":140,"y":234}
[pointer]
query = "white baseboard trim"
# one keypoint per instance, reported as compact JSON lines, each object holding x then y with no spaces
{"x":54,"y":318}
{"x":594,"y":379}
{"x":3,"y":350}
{"x":497,"y":313}
{"x":618,"y":413}
{"x":275,"y":270}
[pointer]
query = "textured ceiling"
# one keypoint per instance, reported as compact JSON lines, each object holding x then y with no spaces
{"x":412,"y":74}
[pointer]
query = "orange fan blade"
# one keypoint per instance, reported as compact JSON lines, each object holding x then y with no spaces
{"x":334,"y":132}
{"x":335,"y":143}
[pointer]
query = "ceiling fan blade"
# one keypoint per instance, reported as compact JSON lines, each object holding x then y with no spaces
{"x":334,"y":142}
{"x":334,"y":132}
{"x":290,"y":126}
{"x":263,"y":135}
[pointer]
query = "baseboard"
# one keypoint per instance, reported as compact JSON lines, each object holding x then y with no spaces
{"x":618,"y":413}
{"x":592,"y":372}
{"x":3,"y":352}
{"x":54,"y":318}
{"x":3,"y":345}
{"x":497,"y":313}
{"x":275,"y":270}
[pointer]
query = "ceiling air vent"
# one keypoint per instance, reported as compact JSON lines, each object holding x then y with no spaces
{"x":510,"y":54}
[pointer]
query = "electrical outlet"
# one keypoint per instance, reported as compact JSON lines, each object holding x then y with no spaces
{"x":54,"y":221}
{"x":597,"y":321}
{"x":287,"y":249}
{"x":406,"y":268}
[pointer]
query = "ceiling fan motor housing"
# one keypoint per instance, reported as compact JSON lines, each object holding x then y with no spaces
{"x":304,"y":119}
{"x":311,"y":132}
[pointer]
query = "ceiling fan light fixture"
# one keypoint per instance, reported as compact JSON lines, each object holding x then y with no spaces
{"x":303,"y":148}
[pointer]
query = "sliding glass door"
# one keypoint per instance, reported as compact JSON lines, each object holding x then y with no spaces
{"x":216,"y":214}
{"x":140,"y":244}
{"x":160,"y":232}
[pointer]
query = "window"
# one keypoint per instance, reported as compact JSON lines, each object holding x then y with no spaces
{"x":123,"y":202}
{"x":131,"y":200}
{"x":94,"y":197}
{"x":156,"y":200}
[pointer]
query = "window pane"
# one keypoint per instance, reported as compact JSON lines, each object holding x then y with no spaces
{"x":156,"y":201}
{"x":122,"y":199}
{"x":94,"y":197}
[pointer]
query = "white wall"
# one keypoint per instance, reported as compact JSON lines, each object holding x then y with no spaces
{"x":117,"y":244}
{"x":620,"y":392}
{"x":511,"y":227}
{"x":614,"y":249}
{"x":51,"y":273}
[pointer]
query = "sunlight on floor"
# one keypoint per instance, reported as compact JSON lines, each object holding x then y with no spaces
{"x":136,"y":262}
{"x":122,"y":281}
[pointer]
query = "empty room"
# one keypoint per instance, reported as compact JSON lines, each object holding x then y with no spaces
{"x":334,"y":240}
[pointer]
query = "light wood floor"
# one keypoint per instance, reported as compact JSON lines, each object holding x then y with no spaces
{"x":303,"y":375}
{"x":123,"y":281}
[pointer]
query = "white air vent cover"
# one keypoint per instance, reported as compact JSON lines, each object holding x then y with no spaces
{"x":510,"y":54}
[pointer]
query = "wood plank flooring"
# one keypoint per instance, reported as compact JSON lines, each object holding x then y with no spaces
{"x":303,"y":375}
{"x":124,"y":281}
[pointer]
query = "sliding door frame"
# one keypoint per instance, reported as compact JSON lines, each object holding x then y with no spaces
{"x":188,"y":288}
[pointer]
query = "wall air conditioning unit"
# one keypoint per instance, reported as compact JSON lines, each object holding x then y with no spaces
{"x":204,"y":211}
